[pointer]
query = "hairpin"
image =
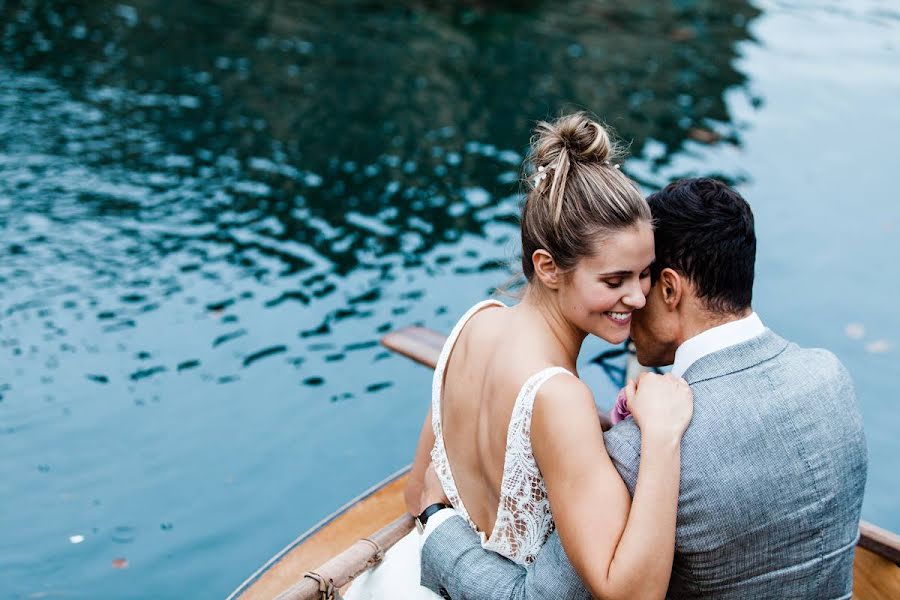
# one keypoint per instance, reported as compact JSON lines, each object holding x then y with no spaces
{"x":541,"y":175}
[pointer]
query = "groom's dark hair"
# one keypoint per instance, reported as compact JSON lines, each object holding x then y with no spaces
{"x":704,"y":231}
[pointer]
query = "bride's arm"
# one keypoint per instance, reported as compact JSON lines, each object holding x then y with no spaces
{"x":619,"y":548}
{"x":422,"y":459}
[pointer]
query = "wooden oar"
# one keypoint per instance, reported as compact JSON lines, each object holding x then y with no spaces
{"x":424,"y":347}
{"x":417,"y":343}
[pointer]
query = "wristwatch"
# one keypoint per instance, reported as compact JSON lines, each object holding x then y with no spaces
{"x":422,"y":519}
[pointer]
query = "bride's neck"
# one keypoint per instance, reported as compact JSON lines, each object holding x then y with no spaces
{"x":541,"y":307}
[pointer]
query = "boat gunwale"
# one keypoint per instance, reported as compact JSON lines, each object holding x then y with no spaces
{"x":880,"y":542}
{"x":877,"y":540}
{"x":319,"y":526}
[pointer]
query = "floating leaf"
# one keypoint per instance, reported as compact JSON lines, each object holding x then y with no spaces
{"x":878,"y":347}
{"x":855,"y":331}
{"x":704,"y":136}
{"x":682,"y":34}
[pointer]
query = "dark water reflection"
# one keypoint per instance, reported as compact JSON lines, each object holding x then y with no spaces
{"x":210,"y":206}
{"x":329,"y":139}
{"x":294,"y":143}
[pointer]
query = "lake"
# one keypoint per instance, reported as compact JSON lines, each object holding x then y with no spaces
{"x":212,"y":211}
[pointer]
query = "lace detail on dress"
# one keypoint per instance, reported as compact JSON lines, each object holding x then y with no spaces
{"x":524,"y":521}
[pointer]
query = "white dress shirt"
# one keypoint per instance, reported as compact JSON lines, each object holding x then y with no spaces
{"x":715,"y":339}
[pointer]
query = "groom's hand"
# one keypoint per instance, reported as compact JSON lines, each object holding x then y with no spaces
{"x":432,"y":491}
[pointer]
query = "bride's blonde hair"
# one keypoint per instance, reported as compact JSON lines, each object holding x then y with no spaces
{"x":577,"y":193}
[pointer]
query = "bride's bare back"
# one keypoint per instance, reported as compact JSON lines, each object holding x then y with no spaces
{"x":496,"y":352}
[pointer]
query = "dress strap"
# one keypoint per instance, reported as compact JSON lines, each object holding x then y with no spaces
{"x":524,"y":406}
{"x":441,"y":366}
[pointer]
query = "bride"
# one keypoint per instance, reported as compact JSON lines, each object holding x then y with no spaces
{"x":505,"y":390}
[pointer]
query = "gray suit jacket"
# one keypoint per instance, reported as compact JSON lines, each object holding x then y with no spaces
{"x":773,"y":468}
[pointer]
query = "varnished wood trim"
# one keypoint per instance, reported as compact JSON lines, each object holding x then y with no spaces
{"x":882,"y":542}
{"x":356,"y":519}
{"x":874,"y":577}
{"x":345,"y":566}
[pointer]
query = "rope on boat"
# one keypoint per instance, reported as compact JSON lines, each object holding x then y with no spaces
{"x":327,"y":591}
{"x":329,"y":578}
{"x":378,"y":556}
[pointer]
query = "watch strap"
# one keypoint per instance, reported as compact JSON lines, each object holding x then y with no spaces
{"x":430,"y":510}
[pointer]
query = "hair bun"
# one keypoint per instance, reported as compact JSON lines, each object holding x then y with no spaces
{"x":578,"y":135}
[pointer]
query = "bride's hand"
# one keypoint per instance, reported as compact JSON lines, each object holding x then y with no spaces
{"x":662,"y":405}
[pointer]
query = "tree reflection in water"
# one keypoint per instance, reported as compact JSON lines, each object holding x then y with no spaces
{"x":249,"y":194}
{"x":334,"y":135}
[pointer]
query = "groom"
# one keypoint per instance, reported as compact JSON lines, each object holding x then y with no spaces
{"x":773,"y":465}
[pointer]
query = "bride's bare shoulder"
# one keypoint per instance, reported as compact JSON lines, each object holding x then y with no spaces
{"x":564,"y":418}
{"x":562,"y":401}
{"x":565,"y":390}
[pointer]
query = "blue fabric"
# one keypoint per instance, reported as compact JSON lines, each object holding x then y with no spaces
{"x":773,"y":469}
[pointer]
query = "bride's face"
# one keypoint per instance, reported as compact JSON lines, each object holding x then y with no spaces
{"x":601,"y":293}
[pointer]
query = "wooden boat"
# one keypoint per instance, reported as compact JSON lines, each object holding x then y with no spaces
{"x":326,"y":558}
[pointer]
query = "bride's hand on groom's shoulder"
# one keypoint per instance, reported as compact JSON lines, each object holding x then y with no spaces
{"x":662,"y":405}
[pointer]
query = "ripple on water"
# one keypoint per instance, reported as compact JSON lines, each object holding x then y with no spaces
{"x":188,"y":364}
{"x":377,"y":387}
{"x":227,"y":337}
{"x":264,"y":353}
{"x":123,"y":534}
{"x":145,"y":373}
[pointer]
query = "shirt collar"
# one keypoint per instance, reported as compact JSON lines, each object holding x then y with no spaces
{"x":715,"y":339}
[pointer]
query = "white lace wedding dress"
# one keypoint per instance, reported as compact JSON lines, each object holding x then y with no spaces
{"x":523,"y":520}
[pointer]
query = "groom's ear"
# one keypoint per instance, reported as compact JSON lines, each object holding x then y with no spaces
{"x":671,"y":286}
{"x":545,"y":268}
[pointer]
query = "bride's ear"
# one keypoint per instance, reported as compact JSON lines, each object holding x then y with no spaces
{"x":545,"y":268}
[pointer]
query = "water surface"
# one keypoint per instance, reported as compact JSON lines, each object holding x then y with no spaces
{"x":211,"y":213}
